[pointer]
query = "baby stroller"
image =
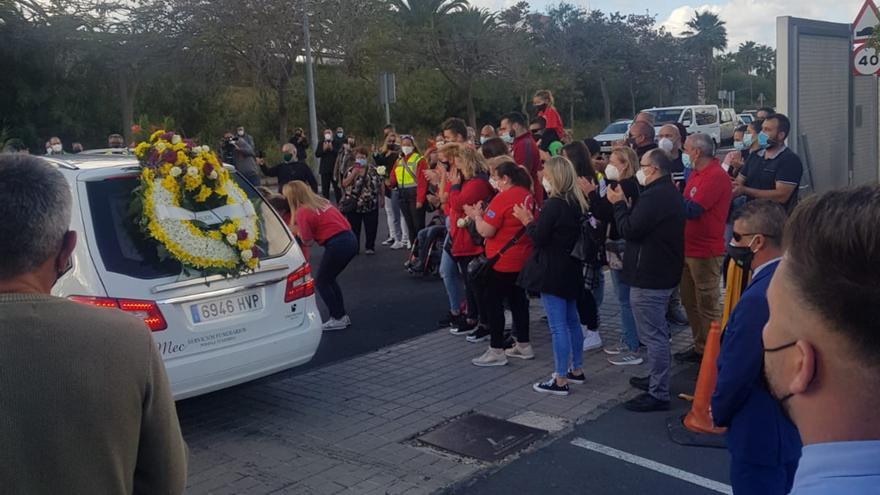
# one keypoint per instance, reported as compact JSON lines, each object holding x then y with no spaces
{"x":424,"y":257}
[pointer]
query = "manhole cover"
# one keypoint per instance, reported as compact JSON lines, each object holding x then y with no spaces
{"x":482,"y":437}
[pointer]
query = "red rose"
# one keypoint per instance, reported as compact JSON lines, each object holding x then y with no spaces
{"x":135,"y":129}
{"x":242,"y":235}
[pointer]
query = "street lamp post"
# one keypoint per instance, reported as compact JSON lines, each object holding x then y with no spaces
{"x":310,"y":79}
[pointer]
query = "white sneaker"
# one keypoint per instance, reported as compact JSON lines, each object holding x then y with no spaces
{"x":334,"y":324}
{"x":345,"y":319}
{"x":626,"y":359}
{"x":398,"y":245}
{"x":388,"y":242}
{"x":521,"y":352}
{"x":592,"y":340}
{"x":492,"y":357}
{"x":408,"y":244}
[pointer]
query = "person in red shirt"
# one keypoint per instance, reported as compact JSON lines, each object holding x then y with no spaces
{"x":468,"y":185}
{"x":543,"y":103}
{"x":514,"y":129}
{"x":316,"y":220}
{"x":707,"y":195}
{"x":507,"y":244}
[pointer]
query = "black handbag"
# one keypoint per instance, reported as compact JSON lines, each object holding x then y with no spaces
{"x":479,"y":269}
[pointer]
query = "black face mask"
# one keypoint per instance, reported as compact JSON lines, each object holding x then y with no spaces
{"x":540,"y":107}
{"x":742,"y":255}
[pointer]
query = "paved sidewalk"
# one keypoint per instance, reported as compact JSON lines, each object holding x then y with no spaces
{"x":347,"y":427}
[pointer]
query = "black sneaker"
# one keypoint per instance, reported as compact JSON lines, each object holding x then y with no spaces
{"x":640,"y":383}
{"x":688,"y":356}
{"x":481,"y":334}
{"x":646,"y":403}
{"x":447,"y":320}
{"x":462,"y":327}
{"x":550,"y":387}
{"x":576,"y":379}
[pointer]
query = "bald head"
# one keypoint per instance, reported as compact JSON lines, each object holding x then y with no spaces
{"x":645,"y":117}
{"x":642,"y":134}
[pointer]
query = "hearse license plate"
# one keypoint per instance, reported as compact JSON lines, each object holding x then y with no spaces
{"x":219,"y":309}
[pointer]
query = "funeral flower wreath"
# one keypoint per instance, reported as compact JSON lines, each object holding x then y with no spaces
{"x":188,"y":203}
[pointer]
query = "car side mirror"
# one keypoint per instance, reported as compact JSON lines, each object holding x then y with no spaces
{"x":686,"y":123}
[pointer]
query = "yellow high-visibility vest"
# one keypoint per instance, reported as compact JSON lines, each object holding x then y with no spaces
{"x":407,"y":174}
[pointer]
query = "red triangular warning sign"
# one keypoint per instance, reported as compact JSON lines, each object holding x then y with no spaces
{"x":866,"y":22}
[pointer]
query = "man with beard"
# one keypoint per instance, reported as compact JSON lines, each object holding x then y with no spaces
{"x":821,"y":343}
{"x":764,"y":445}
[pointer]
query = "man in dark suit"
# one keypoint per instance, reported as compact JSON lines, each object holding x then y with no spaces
{"x":764,"y":444}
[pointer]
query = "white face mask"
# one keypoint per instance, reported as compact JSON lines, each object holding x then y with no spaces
{"x":507,"y":138}
{"x":494,"y":183}
{"x":56,"y":148}
{"x":547,"y":186}
{"x":340,"y":134}
{"x":611,"y":173}
{"x":641,"y":177}
{"x":241,"y":132}
{"x":328,"y":136}
{"x":666,"y":145}
{"x":483,"y":139}
{"x":407,"y":150}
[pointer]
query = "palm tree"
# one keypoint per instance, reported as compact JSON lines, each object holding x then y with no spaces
{"x":746,"y":58}
{"x":707,"y":33}
{"x":424,"y":13}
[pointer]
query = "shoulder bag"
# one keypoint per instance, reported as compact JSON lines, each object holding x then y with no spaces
{"x":480,"y":268}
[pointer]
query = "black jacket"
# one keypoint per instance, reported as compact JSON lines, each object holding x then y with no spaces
{"x":328,"y":157}
{"x":654,"y":233}
{"x":550,"y":268}
{"x":290,"y":171}
{"x":604,"y":210}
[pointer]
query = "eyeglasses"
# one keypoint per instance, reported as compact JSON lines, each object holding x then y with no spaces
{"x":738,"y":237}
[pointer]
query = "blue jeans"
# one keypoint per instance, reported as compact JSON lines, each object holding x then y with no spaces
{"x":565,"y":327}
{"x":629,"y":334}
{"x":338,"y":252}
{"x":451,"y":280}
{"x":649,"y":310}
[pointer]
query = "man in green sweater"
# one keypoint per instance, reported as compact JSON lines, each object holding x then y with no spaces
{"x":85,"y":405}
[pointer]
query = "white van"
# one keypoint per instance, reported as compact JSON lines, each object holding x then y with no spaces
{"x":212,"y":332}
{"x":695,"y":118}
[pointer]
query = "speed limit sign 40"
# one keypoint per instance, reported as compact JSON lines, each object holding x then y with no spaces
{"x":866,"y":61}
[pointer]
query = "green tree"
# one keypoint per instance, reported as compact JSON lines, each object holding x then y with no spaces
{"x":707,"y":33}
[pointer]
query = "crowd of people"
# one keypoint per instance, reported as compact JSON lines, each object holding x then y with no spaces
{"x":522,"y":211}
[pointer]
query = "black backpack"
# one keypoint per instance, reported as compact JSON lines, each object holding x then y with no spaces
{"x":589,"y":248}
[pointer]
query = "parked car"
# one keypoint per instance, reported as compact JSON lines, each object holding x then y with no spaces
{"x":614,"y":132}
{"x":212,"y":332}
{"x":695,"y":118}
{"x":729,"y":123}
{"x":746,"y":118}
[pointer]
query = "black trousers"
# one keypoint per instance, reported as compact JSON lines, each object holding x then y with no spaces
{"x":414,"y":217}
{"x":474,"y":294}
{"x":502,"y":287}
{"x":326,"y":183}
{"x":370,"y":221}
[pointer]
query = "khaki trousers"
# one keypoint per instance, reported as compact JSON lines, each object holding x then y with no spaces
{"x":701,"y":296}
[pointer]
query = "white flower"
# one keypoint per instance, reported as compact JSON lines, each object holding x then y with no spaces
{"x":192,"y":172}
{"x":461,"y":223}
{"x":380,"y":170}
{"x":176,"y":139}
{"x":175,"y":171}
{"x":232,"y":238}
{"x":196,"y":150}
{"x":160,"y":146}
{"x":206,"y":149}
{"x":247,"y":255}
{"x":214,"y":175}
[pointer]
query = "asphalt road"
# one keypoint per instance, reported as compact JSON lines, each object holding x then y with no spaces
{"x":564,"y":467}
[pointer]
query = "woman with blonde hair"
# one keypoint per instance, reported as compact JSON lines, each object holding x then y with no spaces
{"x":552,"y":271}
{"x":544,"y":105}
{"x":623,"y":163}
{"x":468,"y":184}
{"x":314,"y":219}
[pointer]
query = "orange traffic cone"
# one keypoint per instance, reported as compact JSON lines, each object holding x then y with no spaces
{"x":698,"y":419}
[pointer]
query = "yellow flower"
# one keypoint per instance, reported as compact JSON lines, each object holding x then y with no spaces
{"x":191,"y":183}
{"x":182,"y":159}
{"x":170,"y":184}
{"x":141,"y":149}
{"x":229,"y":228}
{"x":155,"y":135}
{"x":198,"y":162}
{"x":204,"y":193}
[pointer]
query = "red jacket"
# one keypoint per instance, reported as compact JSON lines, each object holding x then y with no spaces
{"x":421,"y":180}
{"x":525,"y":154}
{"x":472,"y":191}
{"x":554,"y":121}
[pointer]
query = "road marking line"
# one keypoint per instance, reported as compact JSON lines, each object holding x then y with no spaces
{"x":654,"y":466}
